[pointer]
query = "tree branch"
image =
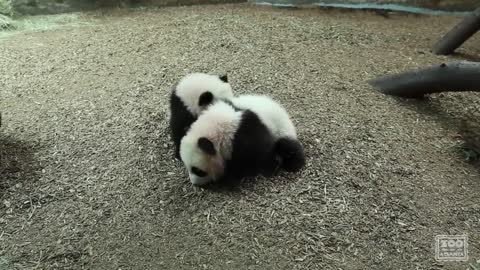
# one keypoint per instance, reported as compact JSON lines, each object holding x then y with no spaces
{"x":458,"y":35}
{"x":455,"y":76}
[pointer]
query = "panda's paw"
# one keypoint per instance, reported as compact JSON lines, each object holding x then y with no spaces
{"x":177,"y":155}
{"x":291,"y":153}
{"x":272,"y":167}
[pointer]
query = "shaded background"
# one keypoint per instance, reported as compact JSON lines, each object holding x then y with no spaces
{"x":36,"y":7}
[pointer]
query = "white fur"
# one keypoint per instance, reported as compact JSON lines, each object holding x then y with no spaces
{"x":193,"y":85}
{"x":218,"y":123}
{"x":272,"y":114}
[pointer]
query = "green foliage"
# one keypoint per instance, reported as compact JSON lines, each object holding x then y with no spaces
{"x":6,"y":7}
{"x":5,"y":23}
{"x":39,"y":23}
{"x":475,"y":266}
{"x":4,"y":263}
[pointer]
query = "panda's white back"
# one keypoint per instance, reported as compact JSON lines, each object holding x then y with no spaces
{"x":272,"y":114}
{"x":193,"y":85}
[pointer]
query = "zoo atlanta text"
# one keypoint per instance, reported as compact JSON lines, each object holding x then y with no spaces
{"x":451,"y":248}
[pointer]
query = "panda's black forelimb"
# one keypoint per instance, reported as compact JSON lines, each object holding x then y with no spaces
{"x":291,"y":153}
{"x":180,"y":121}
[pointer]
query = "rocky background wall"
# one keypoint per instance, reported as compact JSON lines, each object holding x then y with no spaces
{"x":449,"y":5}
{"x":34,"y":7}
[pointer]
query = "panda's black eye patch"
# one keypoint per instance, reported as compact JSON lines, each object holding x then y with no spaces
{"x":206,"y":146}
{"x":205,"y":99}
{"x":198,"y":172}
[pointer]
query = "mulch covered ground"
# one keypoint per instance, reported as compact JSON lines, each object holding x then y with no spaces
{"x":88,"y":178}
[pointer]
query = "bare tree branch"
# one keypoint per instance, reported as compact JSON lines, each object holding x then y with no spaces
{"x":458,"y":35}
{"x":455,"y":76}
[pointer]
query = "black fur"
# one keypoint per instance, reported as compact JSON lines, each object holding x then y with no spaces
{"x":224,"y":78}
{"x":253,"y":150}
{"x":205,"y":99}
{"x":180,"y":121}
{"x":198,"y":172}
{"x":291,"y":154}
{"x":206,"y":146}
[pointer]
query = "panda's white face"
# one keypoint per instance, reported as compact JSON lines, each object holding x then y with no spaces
{"x":202,"y":161}
{"x":208,"y":143}
{"x":198,"y":90}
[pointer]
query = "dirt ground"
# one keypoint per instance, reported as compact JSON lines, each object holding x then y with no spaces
{"x":88,"y":179}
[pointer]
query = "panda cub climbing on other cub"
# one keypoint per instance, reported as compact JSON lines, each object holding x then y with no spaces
{"x":193,"y":93}
{"x":244,"y":136}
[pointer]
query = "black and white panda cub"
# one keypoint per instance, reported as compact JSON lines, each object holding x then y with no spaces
{"x":248,"y":136}
{"x":193,"y":93}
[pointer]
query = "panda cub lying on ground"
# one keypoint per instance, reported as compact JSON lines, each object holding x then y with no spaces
{"x":190,"y":97}
{"x":244,"y":136}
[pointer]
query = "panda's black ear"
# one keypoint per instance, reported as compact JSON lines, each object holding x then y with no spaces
{"x":224,"y":78}
{"x":206,"y":145}
{"x":205,"y":99}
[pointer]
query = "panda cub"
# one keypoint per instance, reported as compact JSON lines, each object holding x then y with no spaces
{"x":190,"y":97}
{"x":278,"y":122}
{"x":248,"y":136}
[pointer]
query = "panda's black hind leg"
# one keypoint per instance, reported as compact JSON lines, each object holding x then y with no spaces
{"x":291,"y":153}
{"x":272,"y":166}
